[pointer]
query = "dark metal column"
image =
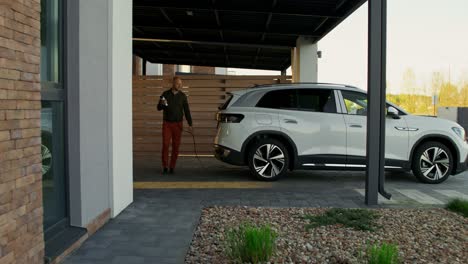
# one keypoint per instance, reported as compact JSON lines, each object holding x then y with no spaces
{"x":376,"y":114}
{"x":144,"y":67}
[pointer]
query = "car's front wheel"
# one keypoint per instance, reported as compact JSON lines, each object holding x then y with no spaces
{"x":432,"y":162}
{"x":268,"y":159}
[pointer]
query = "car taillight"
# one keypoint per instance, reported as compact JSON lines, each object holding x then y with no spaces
{"x":229,"y":118}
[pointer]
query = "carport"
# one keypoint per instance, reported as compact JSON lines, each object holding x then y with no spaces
{"x":266,"y":34}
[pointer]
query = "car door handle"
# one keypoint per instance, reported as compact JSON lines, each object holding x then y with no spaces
{"x":290,"y":121}
{"x":412,"y":129}
{"x":355,"y":125}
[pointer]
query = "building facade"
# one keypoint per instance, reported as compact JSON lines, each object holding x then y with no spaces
{"x":65,"y":122}
{"x":65,"y":103}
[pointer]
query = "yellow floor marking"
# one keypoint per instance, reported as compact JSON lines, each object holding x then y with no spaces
{"x":201,"y":185}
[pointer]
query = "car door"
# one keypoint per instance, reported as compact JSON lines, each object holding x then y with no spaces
{"x":313,"y":123}
{"x":396,"y":136}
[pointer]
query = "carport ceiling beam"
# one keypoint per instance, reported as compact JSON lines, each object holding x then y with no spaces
{"x":166,"y":16}
{"x":142,"y":33}
{"x":138,"y":30}
{"x":340,"y":4}
{"x":187,"y":53}
{"x":226,"y":57}
{"x":215,"y":63}
{"x":321,"y":24}
{"x":256,"y":57}
{"x":298,"y":13}
{"x":268,"y":20}
{"x":283,"y":32}
{"x":190,"y":47}
{"x":218,"y":21}
{"x":213,"y":43}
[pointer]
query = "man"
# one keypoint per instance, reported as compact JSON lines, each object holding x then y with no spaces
{"x":175,"y":105}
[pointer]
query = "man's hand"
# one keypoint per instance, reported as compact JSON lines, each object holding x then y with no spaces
{"x":190,"y":128}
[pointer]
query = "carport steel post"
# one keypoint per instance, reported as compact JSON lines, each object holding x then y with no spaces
{"x":376,"y":85}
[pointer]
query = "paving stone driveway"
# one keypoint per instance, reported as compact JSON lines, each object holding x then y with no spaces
{"x":158,"y":226}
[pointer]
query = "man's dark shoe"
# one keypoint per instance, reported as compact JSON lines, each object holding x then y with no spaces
{"x":165,"y":171}
{"x":171,"y":171}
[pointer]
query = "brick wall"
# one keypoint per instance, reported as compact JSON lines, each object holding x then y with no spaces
{"x":21,"y":234}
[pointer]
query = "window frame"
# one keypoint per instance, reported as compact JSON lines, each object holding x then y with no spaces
{"x":56,"y":91}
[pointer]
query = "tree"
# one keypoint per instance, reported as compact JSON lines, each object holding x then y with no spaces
{"x":409,"y":82}
{"x":437,"y":81}
{"x":409,"y":87}
{"x":464,"y":96}
{"x":436,"y":85}
{"x":448,"y":95}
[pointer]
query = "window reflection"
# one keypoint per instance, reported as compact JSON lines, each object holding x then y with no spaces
{"x":50,"y":41}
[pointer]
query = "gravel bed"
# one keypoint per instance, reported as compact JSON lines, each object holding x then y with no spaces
{"x":422,"y":235}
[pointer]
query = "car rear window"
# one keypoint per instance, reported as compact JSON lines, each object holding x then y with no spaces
{"x":280,"y":99}
{"x":313,"y":100}
{"x":225,"y":105}
{"x":316,"y":100}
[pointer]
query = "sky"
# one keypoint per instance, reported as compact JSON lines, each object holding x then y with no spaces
{"x":423,"y":35}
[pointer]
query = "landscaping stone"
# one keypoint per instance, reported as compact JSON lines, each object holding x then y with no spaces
{"x":422,"y":235}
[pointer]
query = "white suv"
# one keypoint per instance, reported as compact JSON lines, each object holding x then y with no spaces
{"x":277,"y":128}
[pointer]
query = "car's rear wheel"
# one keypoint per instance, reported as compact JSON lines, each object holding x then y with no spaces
{"x":432,"y":162}
{"x":268,"y":159}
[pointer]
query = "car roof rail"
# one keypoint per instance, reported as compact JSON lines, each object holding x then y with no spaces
{"x":301,"y":83}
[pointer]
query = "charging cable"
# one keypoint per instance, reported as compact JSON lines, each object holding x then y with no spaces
{"x":195,"y":147}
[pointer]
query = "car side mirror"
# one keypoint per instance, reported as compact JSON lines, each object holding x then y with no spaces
{"x":393,"y":112}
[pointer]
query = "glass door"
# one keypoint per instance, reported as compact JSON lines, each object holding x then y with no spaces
{"x":52,"y":116}
{"x":53,"y":169}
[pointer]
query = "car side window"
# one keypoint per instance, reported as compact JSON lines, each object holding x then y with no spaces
{"x":280,"y":99}
{"x":356,"y":103}
{"x":316,"y":100}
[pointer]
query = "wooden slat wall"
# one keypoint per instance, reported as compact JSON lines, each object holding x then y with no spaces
{"x":205,"y":94}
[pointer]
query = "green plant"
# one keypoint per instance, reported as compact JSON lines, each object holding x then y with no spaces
{"x":384,"y":254}
{"x":459,"y":206}
{"x":360,"y":219}
{"x":251,"y":244}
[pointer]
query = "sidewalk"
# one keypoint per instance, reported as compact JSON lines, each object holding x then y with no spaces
{"x":158,"y":226}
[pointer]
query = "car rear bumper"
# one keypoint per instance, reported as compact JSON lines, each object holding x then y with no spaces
{"x":228,"y":155}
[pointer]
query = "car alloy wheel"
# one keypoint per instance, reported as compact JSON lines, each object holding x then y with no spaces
{"x":46,"y":159}
{"x":434,"y":163}
{"x":268,"y":160}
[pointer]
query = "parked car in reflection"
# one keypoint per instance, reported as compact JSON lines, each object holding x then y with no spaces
{"x":46,"y":145}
